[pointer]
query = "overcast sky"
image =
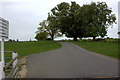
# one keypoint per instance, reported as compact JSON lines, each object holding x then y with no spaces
{"x":25,"y":15}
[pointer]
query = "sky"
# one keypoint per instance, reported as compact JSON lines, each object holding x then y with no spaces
{"x":24,"y":16}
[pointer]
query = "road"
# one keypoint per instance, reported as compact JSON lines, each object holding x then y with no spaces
{"x":70,"y":61}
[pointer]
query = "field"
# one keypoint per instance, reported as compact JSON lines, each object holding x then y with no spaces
{"x":31,"y":47}
{"x":27,"y":48}
{"x":108,"y":48}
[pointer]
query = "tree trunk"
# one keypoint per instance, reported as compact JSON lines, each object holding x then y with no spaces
{"x":52,"y":37}
{"x":75,"y":38}
{"x":93,"y":38}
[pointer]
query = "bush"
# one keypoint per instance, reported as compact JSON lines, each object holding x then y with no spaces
{"x":10,"y":40}
{"x":48,"y":39}
{"x":41,"y":36}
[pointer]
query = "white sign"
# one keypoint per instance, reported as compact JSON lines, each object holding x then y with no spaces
{"x":4,"y":28}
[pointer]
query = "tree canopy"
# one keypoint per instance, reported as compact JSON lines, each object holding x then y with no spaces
{"x":97,"y":19}
{"x":50,"y":27}
{"x":41,"y":36}
{"x":75,"y":21}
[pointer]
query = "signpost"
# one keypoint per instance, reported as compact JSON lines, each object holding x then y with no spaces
{"x":4,"y":32}
{"x":4,"y":27}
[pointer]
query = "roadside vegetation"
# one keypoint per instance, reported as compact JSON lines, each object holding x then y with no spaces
{"x":108,"y":47}
{"x":31,"y":47}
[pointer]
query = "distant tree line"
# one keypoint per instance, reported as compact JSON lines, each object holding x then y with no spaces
{"x":75,"y":21}
{"x":17,"y":40}
{"x":10,"y":40}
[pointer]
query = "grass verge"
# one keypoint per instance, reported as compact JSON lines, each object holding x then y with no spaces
{"x":31,"y":47}
{"x":104,"y":48}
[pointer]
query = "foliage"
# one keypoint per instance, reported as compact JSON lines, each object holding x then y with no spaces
{"x":97,"y":18}
{"x":49,"y":27}
{"x":66,"y":15}
{"x":75,"y":21}
{"x":41,"y":36}
{"x":90,"y":20}
{"x":10,"y":39}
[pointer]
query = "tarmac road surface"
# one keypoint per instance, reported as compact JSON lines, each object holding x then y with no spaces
{"x":70,"y":61}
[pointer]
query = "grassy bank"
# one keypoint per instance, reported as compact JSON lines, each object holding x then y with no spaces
{"x":31,"y":47}
{"x":106,"y":48}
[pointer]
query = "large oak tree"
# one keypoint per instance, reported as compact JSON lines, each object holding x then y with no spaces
{"x":90,"y":20}
{"x":96,"y":18}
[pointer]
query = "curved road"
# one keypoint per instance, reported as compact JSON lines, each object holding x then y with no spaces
{"x":70,"y":61}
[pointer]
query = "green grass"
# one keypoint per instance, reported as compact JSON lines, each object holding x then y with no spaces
{"x":105,"y":48}
{"x":31,"y":47}
{"x":27,"y":48}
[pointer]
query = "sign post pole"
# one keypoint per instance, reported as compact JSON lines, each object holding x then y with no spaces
{"x":2,"y":59}
{"x":2,"y":52}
